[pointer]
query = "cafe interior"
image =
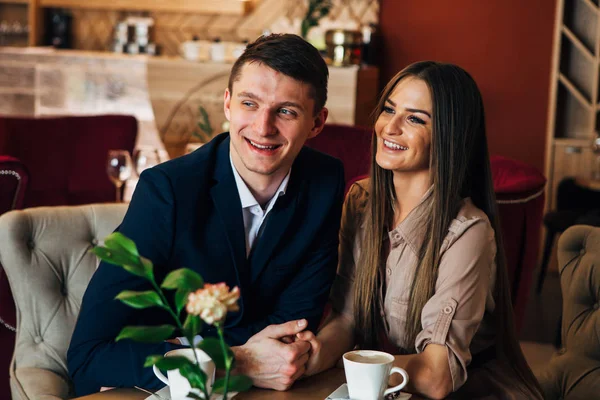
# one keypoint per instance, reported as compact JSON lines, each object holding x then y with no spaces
{"x":94,"y":92}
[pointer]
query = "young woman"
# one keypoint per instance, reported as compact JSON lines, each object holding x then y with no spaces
{"x":422,"y":273}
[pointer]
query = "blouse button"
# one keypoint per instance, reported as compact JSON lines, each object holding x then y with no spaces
{"x":389,"y":271}
{"x":447,"y":310}
{"x":396,"y":236}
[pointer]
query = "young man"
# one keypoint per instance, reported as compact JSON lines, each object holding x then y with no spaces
{"x":252,"y":208}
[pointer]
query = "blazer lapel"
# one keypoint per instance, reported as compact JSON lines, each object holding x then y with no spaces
{"x":227,"y":203}
{"x":278,"y":221}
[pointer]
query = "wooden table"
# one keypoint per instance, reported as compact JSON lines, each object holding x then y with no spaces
{"x":317,"y":387}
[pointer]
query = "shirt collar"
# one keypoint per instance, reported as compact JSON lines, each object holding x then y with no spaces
{"x":246,"y":197}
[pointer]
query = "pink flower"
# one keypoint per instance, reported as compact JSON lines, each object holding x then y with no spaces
{"x":213,"y":302}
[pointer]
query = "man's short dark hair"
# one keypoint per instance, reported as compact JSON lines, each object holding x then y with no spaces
{"x":292,"y":56}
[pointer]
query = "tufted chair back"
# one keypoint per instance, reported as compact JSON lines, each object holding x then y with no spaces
{"x":45,"y":254}
{"x":574,"y":372}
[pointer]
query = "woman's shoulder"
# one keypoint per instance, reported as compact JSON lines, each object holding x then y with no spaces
{"x":468,"y":210}
{"x":470,"y":218}
{"x":358,"y":194}
{"x":360,"y":186}
{"x":355,"y":204}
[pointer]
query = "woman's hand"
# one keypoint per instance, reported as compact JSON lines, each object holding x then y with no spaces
{"x":313,"y":365}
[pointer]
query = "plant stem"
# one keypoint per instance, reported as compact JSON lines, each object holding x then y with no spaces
{"x":228,"y":360}
{"x":166,"y":303}
{"x":180,"y":326}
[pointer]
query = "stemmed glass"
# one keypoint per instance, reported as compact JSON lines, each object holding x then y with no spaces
{"x":596,"y":163}
{"x":144,"y":158}
{"x":118,"y":168}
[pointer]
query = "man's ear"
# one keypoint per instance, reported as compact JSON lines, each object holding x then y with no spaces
{"x":227,"y":104}
{"x":319,"y":122}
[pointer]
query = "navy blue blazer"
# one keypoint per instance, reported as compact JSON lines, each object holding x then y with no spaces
{"x":187,"y":213}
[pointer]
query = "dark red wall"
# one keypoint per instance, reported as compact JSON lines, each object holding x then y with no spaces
{"x":506,"y":45}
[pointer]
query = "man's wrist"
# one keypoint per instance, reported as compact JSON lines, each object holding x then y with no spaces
{"x":240,"y":354}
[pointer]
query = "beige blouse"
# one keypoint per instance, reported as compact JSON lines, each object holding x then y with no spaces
{"x":460,"y":313}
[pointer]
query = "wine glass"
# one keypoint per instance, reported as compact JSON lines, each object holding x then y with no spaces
{"x":118,"y":168}
{"x":596,"y":163}
{"x":144,"y":158}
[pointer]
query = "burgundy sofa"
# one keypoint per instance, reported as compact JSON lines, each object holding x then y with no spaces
{"x":66,"y":156}
{"x":66,"y":160}
{"x":519,"y":190}
{"x":351,"y":144}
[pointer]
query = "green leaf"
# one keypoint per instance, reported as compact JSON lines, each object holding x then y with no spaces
{"x":194,"y":374}
{"x":192,"y":326}
{"x":114,"y":257}
{"x":193,"y":395}
{"x":237,"y":383}
{"x":152,"y":359}
{"x":144,"y":299}
{"x":181,"y":296}
{"x":173,"y":362}
{"x":212,"y":347}
{"x":118,"y":241}
{"x":183,"y":278}
{"x":146,"y":334}
{"x":148,"y":268}
{"x":122,"y":259}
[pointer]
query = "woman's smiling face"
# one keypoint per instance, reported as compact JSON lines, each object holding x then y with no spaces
{"x":404,"y":127}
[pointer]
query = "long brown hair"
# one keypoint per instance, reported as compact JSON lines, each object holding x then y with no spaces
{"x":460,"y":167}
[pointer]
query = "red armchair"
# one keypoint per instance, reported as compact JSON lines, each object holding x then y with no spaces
{"x":14,"y":179}
{"x":519,"y":189}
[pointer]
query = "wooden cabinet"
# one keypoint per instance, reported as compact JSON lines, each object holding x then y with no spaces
{"x":574,"y":111}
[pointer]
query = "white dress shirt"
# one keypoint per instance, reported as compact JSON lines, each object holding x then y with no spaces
{"x":254,"y":215}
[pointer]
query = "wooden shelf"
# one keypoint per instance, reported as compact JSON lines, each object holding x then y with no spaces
{"x":14,"y":1}
{"x":578,"y":43}
{"x":230,"y":7}
{"x":574,"y":109}
{"x":574,"y":91}
{"x":572,"y":142}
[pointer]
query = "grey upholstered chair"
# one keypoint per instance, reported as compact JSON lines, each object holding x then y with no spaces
{"x":574,"y":372}
{"x":45,"y":254}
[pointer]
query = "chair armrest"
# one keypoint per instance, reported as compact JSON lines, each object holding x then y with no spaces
{"x":38,"y":384}
{"x":572,"y":374}
{"x":7,"y":304}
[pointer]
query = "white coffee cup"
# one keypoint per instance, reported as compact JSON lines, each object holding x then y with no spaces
{"x":367,"y":374}
{"x":179,"y":387}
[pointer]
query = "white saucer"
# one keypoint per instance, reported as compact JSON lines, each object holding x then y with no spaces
{"x":164,"y":394}
{"x":341,"y":393}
